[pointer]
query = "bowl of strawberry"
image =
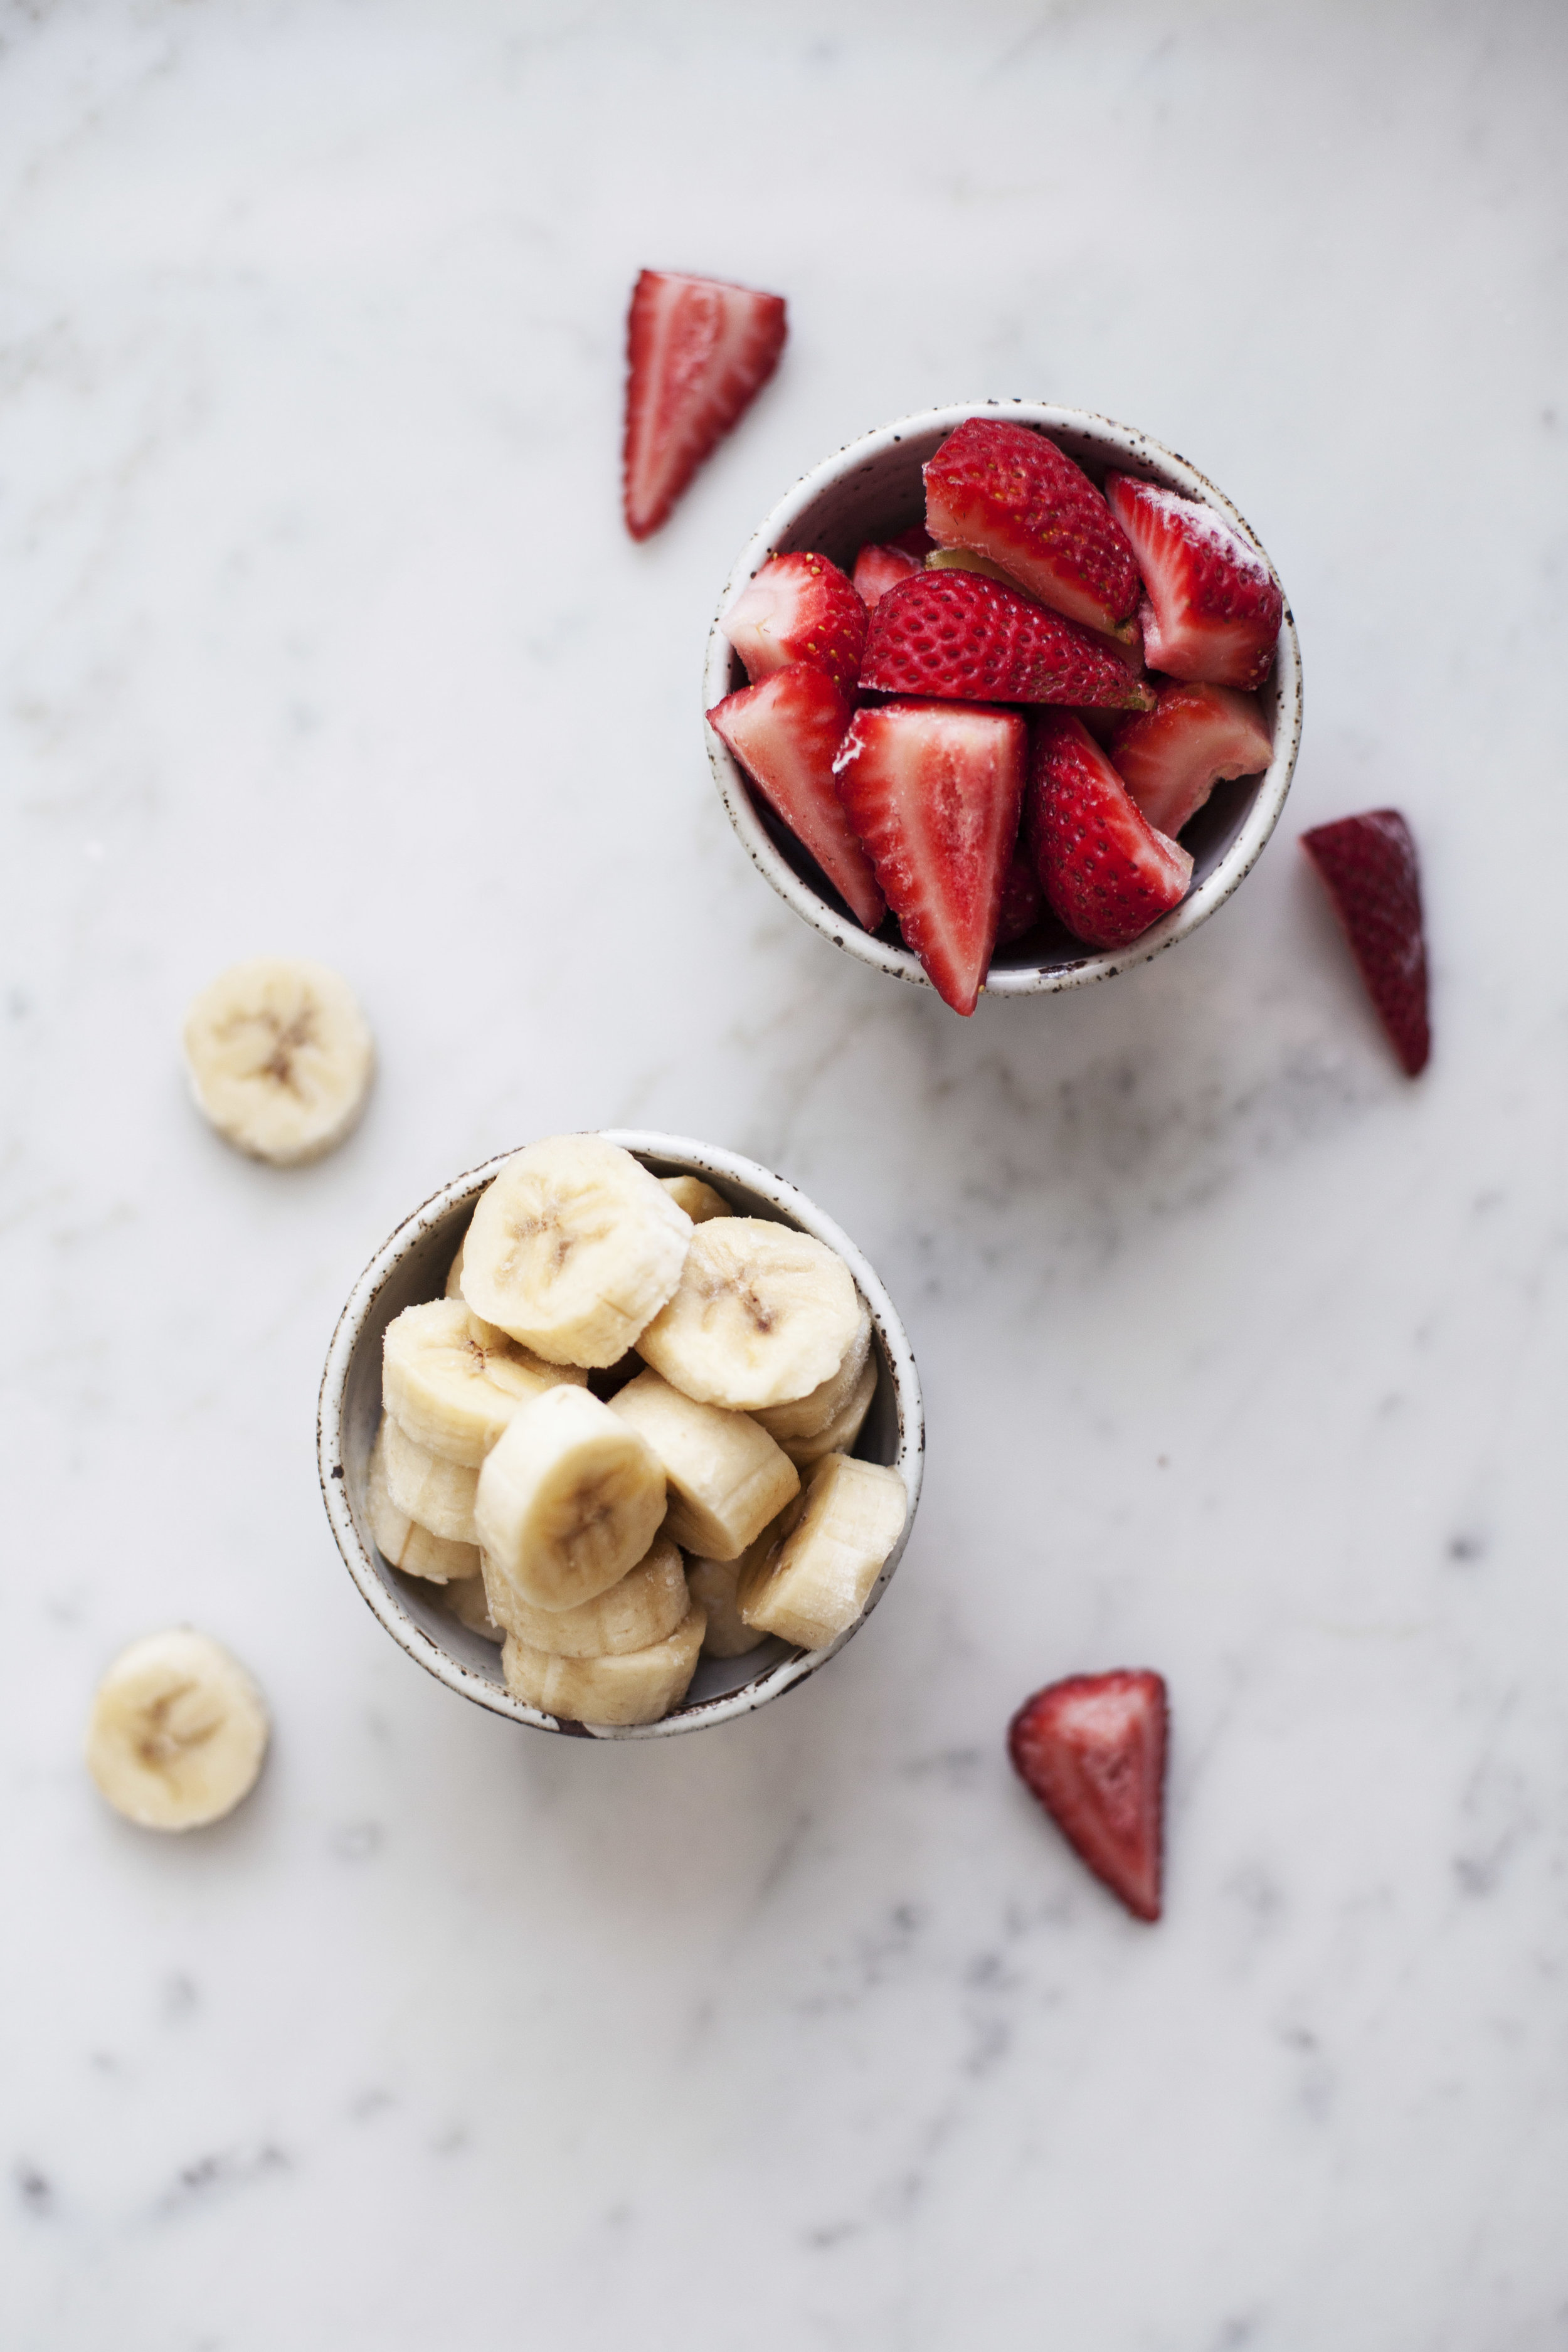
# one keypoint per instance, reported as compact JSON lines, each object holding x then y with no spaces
{"x":1004,"y":699}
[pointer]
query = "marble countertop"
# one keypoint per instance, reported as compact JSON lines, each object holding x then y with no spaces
{"x":1243,"y":1356}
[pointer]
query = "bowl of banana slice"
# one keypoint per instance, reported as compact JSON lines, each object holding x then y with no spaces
{"x":620,"y":1436}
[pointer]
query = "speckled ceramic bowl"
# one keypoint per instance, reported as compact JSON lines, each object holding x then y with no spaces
{"x":869,"y":492}
{"x":412,"y":1266}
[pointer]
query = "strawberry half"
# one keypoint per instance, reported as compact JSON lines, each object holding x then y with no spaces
{"x":799,"y":608}
{"x":960,"y":634}
{"x":1172,"y":757}
{"x":1092,"y":1750}
{"x":1213,"y":607}
{"x":1021,"y":900}
{"x":1104,"y":870}
{"x":1014,"y":497}
{"x":697,"y":353}
{"x":933,"y":793}
{"x":879,"y":568}
{"x":785,"y":733}
{"x":1369,"y":868}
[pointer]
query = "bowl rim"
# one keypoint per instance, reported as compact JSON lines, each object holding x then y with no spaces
{"x":1143,"y":453}
{"x":699,"y":1160}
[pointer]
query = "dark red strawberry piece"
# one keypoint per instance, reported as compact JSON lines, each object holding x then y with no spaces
{"x":799,"y":608}
{"x":934,"y":791}
{"x":916,"y":540}
{"x":879,"y":568}
{"x":1012,"y":494}
{"x":698,"y":353}
{"x":1104,"y":870}
{"x":1172,"y":757}
{"x":1213,"y":608}
{"x":1369,"y":867}
{"x":1021,"y":900}
{"x":959,"y":634}
{"x":1092,"y":1750}
{"x":785,"y":733}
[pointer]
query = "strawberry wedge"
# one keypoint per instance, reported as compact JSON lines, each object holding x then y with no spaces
{"x":960,"y":634}
{"x":879,"y":568}
{"x":799,"y":608}
{"x":1011,"y":494}
{"x":1092,"y":1750}
{"x":697,"y":353}
{"x":1103,"y":869}
{"x":1172,"y":757}
{"x":934,"y":791}
{"x":1212,"y":607}
{"x":1369,"y":869}
{"x":784,"y":733}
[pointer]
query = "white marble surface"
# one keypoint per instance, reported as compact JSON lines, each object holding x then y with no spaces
{"x":1243,"y":1357}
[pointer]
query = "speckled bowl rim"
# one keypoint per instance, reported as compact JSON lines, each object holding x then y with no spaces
{"x":1142,"y":455}
{"x":699,"y":1160}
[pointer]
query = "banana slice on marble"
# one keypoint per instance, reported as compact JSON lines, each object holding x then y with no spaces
{"x":711,"y":1583}
{"x":453,"y":1382}
{"x":279,"y":1057}
{"x":177,"y":1732}
{"x":814,"y":1577}
{"x":572,"y":1248}
{"x":637,"y":1686}
{"x":425,"y":1487}
{"x":808,"y":1415}
{"x":727,"y":1478}
{"x":646,"y":1606}
{"x":470,"y":1607}
{"x":763,"y":1316}
{"x":401,"y":1540}
{"x":840,"y":1433}
{"x":569,"y":1497}
{"x":698,"y":1199}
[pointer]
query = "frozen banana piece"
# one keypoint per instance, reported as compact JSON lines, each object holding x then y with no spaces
{"x":809,"y":1415}
{"x":763,"y":1316}
{"x":177,"y":1733}
{"x":840,"y":1435}
{"x":698,"y":1199}
{"x":727,"y":1478}
{"x":436,"y":1492}
{"x":279,"y":1057}
{"x":648,"y":1603}
{"x":401,"y":1540}
{"x":637,"y":1686}
{"x":569,"y":1499}
{"x":712,"y":1584}
{"x":814,"y":1577}
{"x":453,"y":1382}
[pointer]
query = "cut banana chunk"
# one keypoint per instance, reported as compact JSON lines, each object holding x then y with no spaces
{"x":840,"y":1435}
{"x":453,"y":1288}
{"x":401,"y":1540}
{"x":763,"y":1316}
{"x":807,"y":1416}
{"x":471,"y":1608}
{"x":727,"y":1478}
{"x":572,"y":1248}
{"x":698,"y":1199}
{"x":813,"y":1580}
{"x":648,"y":1603}
{"x":424,"y":1486}
{"x":177,"y":1732}
{"x":453,"y":1382}
{"x":638,"y":1687}
{"x":569,"y":1499}
{"x":279,"y":1057}
{"x":712,"y":1583}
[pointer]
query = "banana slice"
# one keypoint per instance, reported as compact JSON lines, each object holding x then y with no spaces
{"x":807,"y":1416}
{"x":453,"y":1288}
{"x":648,"y":1603}
{"x":698,"y":1199}
{"x":569,"y":1499}
{"x":638,"y":1687}
{"x":425,"y":1487}
{"x":727,"y":1478}
{"x":763,"y":1316}
{"x":471,"y":1608}
{"x":279,"y":1057}
{"x":401,"y":1540}
{"x":177,"y":1732}
{"x":712,"y":1584}
{"x":840,"y":1435}
{"x":813,"y":1580}
{"x":453,"y":1382}
{"x":572,"y":1248}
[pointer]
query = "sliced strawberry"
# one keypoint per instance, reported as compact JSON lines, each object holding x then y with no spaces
{"x":698,"y":353}
{"x":879,"y":568}
{"x":1104,"y":870}
{"x":1092,"y":1750}
{"x":916,"y":540}
{"x":799,"y":608}
{"x":1213,"y":608}
{"x":1014,"y":497}
{"x":934,"y":791}
{"x":1369,"y":867}
{"x":785,"y":733}
{"x":1021,"y":900}
{"x":1172,"y":757}
{"x":961,"y":635}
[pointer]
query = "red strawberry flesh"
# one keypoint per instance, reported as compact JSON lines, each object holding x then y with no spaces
{"x":1092,"y":1750}
{"x":1103,"y":869}
{"x":1369,"y":867}
{"x":934,"y":791}
{"x":785,"y":733}
{"x":879,"y":568}
{"x":799,"y":608}
{"x":1172,"y":757}
{"x":1013,"y":495}
{"x":1021,"y":900}
{"x":698,"y":353}
{"x":1213,"y":608}
{"x":960,"y":634}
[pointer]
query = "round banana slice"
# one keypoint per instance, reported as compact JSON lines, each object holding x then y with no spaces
{"x":712,"y":1587}
{"x":807,"y":1416}
{"x":401,"y":1540}
{"x":698,"y":1199}
{"x":425,"y":1487}
{"x":453,"y":1382}
{"x":572,"y":1248}
{"x":468,"y":1605}
{"x":637,"y":1686}
{"x":177,"y":1732}
{"x":648,"y":1602}
{"x":279,"y":1057}
{"x":840,"y":1435}
{"x":763,"y":1316}
{"x":727,"y":1478}
{"x":816,"y":1575}
{"x":569,"y":1499}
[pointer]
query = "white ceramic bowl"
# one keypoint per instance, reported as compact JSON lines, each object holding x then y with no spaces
{"x":410,"y":1265}
{"x":869,"y":492}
